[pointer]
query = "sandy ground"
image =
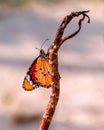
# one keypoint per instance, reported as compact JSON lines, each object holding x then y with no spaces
{"x":81,"y":66}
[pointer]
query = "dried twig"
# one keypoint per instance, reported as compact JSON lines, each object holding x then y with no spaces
{"x":53,"y":59}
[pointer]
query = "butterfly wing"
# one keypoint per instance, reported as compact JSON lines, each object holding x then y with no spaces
{"x":44,"y":72}
{"x":28,"y":83}
{"x":39,"y":74}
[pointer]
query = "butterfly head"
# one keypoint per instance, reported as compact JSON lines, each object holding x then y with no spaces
{"x":43,"y":54}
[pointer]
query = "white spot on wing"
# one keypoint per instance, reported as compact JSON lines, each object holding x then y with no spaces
{"x":31,"y":83}
{"x":28,"y":77}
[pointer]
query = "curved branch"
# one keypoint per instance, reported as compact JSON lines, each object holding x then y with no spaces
{"x":59,"y":39}
{"x":53,"y":60}
{"x":75,"y":33}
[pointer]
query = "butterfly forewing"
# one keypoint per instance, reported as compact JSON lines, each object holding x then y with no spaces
{"x":29,"y":79}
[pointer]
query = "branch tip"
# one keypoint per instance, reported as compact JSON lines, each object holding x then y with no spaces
{"x":76,"y":14}
{"x":88,"y":18}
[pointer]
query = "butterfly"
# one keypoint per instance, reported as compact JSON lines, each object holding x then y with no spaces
{"x":39,"y":73}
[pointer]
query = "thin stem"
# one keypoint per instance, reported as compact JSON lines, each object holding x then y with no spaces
{"x":47,"y":117}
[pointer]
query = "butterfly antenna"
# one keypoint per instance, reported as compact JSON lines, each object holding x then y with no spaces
{"x":44,"y":42}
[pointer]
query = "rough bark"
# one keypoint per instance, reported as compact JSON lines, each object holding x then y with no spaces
{"x":53,"y":60}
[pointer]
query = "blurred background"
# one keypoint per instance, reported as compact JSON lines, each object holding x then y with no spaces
{"x":24,"y":25}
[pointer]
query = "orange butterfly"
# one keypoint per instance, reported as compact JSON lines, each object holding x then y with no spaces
{"x":39,"y":73}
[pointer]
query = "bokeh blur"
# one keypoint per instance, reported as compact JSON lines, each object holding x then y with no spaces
{"x":24,"y":25}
